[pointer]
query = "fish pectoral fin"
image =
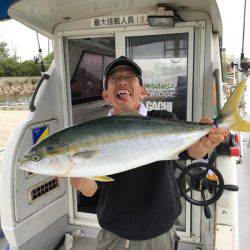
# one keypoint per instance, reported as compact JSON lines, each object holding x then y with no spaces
{"x":85,"y":154}
{"x":101,"y":178}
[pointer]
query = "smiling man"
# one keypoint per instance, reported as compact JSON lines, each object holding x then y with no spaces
{"x":138,"y":209}
{"x":123,"y":86}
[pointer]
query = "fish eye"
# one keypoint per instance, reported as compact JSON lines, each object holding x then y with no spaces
{"x":36,"y":158}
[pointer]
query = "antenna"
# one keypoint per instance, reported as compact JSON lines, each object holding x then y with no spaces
{"x":243,"y":31}
{"x":40,"y":55}
{"x":244,"y":62}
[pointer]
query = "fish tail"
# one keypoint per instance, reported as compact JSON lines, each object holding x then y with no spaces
{"x":230,"y":114}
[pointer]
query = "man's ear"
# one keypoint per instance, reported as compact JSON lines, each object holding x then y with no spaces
{"x":105,"y":95}
{"x":144,"y":92}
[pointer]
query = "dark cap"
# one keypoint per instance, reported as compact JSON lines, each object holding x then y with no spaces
{"x":122,"y":61}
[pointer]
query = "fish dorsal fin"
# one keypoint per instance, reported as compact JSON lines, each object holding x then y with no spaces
{"x":101,"y":178}
{"x":130,"y":113}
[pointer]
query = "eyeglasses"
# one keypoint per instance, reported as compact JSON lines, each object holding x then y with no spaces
{"x":116,"y":79}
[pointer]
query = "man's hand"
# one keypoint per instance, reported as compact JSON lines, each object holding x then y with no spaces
{"x":207,"y":143}
{"x":86,"y":186}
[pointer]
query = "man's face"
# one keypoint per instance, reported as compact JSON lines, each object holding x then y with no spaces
{"x":124,"y":91}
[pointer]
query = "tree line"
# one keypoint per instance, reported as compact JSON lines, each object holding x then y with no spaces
{"x":10,"y":66}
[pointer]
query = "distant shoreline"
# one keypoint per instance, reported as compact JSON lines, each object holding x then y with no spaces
{"x":15,"y":92}
{"x":11,"y":87}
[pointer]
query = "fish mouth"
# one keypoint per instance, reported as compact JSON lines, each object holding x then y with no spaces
{"x":123,"y":94}
{"x":22,"y":160}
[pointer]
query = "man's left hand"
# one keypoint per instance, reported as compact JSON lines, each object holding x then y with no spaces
{"x":207,"y":143}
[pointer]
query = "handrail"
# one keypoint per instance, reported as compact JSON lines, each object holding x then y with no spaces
{"x":32,"y":107}
{"x":217,"y":84}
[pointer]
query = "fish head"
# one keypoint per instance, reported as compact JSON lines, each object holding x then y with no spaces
{"x":45,"y":160}
{"x":29,"y":158}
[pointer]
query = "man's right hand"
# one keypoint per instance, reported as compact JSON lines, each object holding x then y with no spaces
{"x":86,"y":186}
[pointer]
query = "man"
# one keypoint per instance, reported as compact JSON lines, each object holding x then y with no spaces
{"x":138,"y":209}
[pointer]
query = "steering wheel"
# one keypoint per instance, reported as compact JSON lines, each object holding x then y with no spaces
{"x":204,"y":178}
{"x":196,"y":178}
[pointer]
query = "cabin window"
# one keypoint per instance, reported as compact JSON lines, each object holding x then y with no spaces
{"x":90,"y":62}
{"x":164,"y":62}
{"x":86,"y":83}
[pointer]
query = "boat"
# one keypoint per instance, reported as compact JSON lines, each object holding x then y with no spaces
{"x":177,"y":44}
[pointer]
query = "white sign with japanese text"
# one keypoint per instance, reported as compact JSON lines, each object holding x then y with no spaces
{"x":117,"y":21}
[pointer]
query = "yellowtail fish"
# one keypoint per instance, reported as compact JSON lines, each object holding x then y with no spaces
{"x":111,"y":145}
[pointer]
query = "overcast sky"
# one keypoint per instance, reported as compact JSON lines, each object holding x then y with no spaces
{"x":24,"y":41}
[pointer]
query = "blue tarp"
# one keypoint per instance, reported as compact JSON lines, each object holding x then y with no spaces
{"x":4,"y":6}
